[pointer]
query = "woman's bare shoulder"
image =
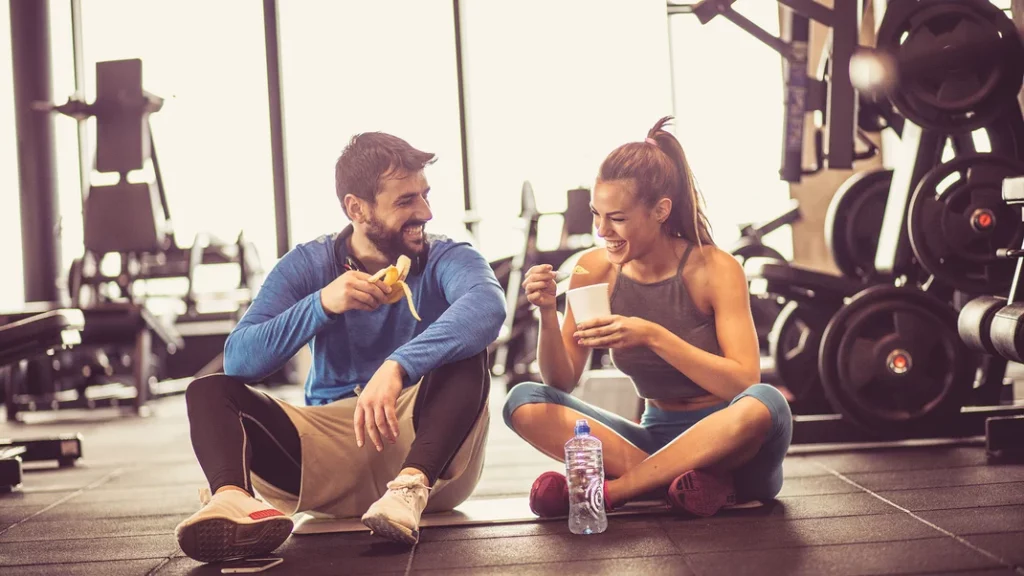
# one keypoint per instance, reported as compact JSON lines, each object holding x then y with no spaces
{"x":709,"y":271}
{"x":592,"y":267}
{"x":719,"y":261}
{"x":721,"y":273}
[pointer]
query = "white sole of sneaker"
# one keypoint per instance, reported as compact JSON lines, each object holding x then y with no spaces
{"x":382,"y":526}
{"x":216,"y":539}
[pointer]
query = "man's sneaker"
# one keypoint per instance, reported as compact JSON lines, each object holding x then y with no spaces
{"x":701,"y":493}
{"x":232,"y":524}
{"x":396,"y":516}
{"x":549,"y":496}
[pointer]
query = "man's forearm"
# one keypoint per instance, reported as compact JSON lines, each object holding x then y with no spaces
{"x":258,"y":346}
{"x":467,"y":328}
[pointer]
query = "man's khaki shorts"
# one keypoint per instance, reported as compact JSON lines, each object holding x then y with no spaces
{"x":340,"y":480}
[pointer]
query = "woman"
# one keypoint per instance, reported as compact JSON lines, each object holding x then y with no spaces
{"x":680,"y":328}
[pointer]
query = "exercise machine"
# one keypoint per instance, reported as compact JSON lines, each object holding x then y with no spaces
{"x":37,"y":336}
{"x":832,"y":93}
{"x":131,"y":222}
{"x":126,"y":349}
{"x":113,"y":365}
{"x":883,"y":337}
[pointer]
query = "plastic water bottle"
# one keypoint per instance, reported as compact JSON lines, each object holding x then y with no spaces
{"x":584,"y":468}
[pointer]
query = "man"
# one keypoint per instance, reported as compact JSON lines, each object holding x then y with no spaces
{"x":387,"y":396}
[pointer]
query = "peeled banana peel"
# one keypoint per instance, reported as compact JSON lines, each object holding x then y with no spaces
{"x":394,"y":276}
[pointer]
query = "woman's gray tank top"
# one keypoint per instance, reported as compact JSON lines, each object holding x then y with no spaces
{"x":669,"y":304}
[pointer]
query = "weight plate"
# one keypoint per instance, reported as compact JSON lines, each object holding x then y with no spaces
{"x":975,"y":322}
{"x":1002,"y":138}
{"x":957,"y":220}
{"x":853,"y":222}
{"x":892,"y":363}
{"x":977,"y":73}
{"x":793,"y":345}
{"x":764,"y":310}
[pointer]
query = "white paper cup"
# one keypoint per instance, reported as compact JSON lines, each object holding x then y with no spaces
{"x":589,"y":302}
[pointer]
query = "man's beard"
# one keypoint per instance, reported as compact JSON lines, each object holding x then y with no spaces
{"x":392,"y":244}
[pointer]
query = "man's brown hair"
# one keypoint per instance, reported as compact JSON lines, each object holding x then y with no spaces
{"x":369,"y":159}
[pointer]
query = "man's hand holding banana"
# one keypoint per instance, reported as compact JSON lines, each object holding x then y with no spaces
{"x":355,"y":290}
{"x":394,"y":277}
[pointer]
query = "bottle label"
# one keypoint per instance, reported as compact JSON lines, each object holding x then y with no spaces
{"x":595,"y":497}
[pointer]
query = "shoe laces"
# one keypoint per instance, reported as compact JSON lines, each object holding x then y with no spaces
{"x":406,"y":486}
{"x":205,"y":495}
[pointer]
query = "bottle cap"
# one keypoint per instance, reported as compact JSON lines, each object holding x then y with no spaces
{"x":582,"y":427}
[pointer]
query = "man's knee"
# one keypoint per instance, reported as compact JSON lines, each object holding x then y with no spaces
{"x":471,"y":371}
{"x":212,"y":388}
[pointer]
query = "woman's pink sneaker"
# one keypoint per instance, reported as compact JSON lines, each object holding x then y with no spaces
{"x":549,"y":496}
{"x":701,"y":493}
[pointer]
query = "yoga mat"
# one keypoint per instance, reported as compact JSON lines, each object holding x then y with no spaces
{"x":477,"y":512}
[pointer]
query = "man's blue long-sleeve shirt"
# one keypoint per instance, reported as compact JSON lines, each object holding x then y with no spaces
{"x":456,"y":295}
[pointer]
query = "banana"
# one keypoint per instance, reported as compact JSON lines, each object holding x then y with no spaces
{"x":394,"y":276}
{"x":580,"y":270}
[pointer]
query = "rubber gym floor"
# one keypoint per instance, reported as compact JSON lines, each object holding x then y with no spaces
{"x":916,"y":509}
